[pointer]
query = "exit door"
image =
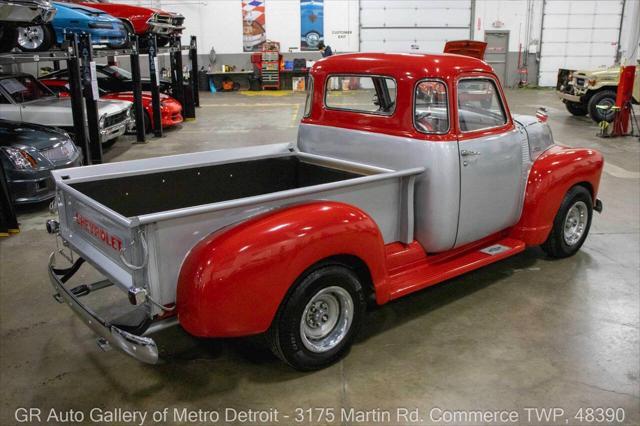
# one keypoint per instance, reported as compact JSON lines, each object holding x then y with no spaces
{"x":496,"y":54}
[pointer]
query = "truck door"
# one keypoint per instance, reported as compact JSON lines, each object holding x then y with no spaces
{"x":491,"y":161}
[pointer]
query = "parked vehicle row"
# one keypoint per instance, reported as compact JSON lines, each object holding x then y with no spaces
{"x":34,"y":111}
{"x":38,"y":25}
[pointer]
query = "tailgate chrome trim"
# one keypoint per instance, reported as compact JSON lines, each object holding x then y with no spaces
{"x":143,"y":349}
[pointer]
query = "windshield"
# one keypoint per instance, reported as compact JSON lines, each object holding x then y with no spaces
{"x":25,"y":88}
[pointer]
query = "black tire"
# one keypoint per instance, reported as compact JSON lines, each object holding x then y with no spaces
{"x":575,"y":108}
{"x":108,"y":144}
{"x":286,"y":336}
{"x":604,"y":97}
{"x":8,"y":37}
{"x":45,"y":43}
{"x":148,"y":128}
{"x":162,"y":41}
{"x":557,"y":245}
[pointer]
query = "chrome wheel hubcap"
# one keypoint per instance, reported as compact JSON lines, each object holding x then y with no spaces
{"x":30,"y":37}
{"x":606,"y":112}
{"x":575,"y":223}
{"x":326,"y":319}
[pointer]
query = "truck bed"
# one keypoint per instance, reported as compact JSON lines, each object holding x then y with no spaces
{"x":135,"y":221}
{"x":170,"y":190}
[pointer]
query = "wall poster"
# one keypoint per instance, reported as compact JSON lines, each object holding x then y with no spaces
{"x":312,"y":24}
{"x":253,"y":25}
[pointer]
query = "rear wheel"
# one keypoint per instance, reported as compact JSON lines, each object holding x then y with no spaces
{"x":576,"y":108}
{"x":35,"y":38}
{"x":317,"y":322}
{"x":571,"y":224}
{"x":600,"y":106}
{"x":162,"y":41}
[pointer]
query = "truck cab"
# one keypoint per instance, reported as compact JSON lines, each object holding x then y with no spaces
{"x":446,"y":113}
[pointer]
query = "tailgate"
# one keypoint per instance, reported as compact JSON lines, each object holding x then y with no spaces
{"x":101,"y":236}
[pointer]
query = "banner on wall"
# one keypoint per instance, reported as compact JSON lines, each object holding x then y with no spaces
{"x":312,"y":24}
{"x":253,"y":28}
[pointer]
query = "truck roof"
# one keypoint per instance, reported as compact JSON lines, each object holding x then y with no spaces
{"x":392,"y":64}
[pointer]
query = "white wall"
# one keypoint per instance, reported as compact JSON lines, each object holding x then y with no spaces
{"x":511,"y":13}
{"x":218,"y":23}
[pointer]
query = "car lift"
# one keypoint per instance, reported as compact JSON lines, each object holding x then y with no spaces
{"x":79,"y":54}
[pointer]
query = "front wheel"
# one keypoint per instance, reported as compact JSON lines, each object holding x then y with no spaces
{"x":600,"y":106}
{"x":571,"y":224}
{"x":316,"y":324}
{"x":35,"y":38}
{"x":576,"y":108}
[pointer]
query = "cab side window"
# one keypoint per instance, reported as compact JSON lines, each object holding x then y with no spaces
{"x":431,"y":111}
{"x":479,"y":105}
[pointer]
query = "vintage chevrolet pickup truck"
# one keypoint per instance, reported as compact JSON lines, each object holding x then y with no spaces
{"x":408,"y":170}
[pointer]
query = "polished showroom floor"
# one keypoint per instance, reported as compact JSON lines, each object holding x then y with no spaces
{"x":527,"y":332}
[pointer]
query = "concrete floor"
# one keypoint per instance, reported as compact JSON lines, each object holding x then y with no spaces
{"x":527,"y":332}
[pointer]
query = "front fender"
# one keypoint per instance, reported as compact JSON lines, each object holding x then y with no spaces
{"x":232,"y":282}
{"x":552,"y":174}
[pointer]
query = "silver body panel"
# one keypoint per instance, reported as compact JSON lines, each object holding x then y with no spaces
{"x":437,"y":190}
{"x":384,"y":194}
{"x":492,"y":184}
{"x":26,"y":11}
{"x":538,"y":134}
{"x":454,"y":203}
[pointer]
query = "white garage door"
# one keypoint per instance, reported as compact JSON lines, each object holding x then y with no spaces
{"x":412,"y":25}
{"x":578,"y":35}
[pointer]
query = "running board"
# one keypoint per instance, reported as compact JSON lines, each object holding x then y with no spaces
{"x":425,"y":273}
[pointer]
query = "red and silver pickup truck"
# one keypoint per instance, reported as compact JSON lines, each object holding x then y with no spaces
{"x":408,"y":170}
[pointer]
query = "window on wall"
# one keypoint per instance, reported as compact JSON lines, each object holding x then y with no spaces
{"x":309,"y":101}
{"x":368,"y":94}
{"x":479,"y":105}
{"x":431,"y":112}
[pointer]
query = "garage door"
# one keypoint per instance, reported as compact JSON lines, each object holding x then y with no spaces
{"x":578,"y":35}
{"x":412,"y":26}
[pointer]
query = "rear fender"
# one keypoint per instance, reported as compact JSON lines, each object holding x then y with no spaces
{"x":553,"y":173}
{"x":232,"y":282}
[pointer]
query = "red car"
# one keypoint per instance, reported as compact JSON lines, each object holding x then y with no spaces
{"x":170,"y":108}
{"x":141,"y":20}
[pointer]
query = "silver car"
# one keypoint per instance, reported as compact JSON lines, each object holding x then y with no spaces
{"x":24,"y":98}
{"x":14,"y":13}
{"x":28,"y":154}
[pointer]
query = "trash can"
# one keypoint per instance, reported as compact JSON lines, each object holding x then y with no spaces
{"x":188,"y":107}
{"x":203,"y":81}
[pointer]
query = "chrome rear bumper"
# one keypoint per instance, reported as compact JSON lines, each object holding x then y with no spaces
{"x":141,"y":348}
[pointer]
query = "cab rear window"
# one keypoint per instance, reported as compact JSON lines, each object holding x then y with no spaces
{"x":367,"y":94}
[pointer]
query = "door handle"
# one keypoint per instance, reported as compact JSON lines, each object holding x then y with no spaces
{"x":467,"y":153}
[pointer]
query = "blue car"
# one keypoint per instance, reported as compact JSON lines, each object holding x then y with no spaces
{"x":104,"y":28}
{"x":312,"y":24}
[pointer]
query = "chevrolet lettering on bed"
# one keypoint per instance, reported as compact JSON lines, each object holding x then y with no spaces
{"x":98,"y":232}
{"x":408,"y":170}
